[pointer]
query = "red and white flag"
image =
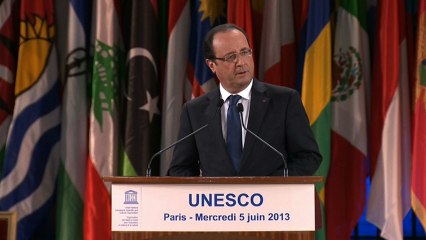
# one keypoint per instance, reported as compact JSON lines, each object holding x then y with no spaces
{"x":175,"y":83}
{"x":103,"y":120}
{"x":278,"y":50}
{"x":390,"y":141}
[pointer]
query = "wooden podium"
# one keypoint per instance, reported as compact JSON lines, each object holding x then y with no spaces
{"x":297,"y":195}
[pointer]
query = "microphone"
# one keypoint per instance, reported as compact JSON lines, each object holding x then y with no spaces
{"x":240,"y":109}
{"x":219,"y":104}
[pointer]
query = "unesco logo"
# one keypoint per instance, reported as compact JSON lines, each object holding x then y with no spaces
{"x":130,"y":197}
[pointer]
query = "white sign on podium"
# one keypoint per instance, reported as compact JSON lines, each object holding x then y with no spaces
{"x":213,"y":207}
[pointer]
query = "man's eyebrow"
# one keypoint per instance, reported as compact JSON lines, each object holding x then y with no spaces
{"x":233,"y":52}
{"x":230,"y":53}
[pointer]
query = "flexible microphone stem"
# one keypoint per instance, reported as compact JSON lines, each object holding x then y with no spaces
{"x":148,"y":169}
{"x":240,"y":110}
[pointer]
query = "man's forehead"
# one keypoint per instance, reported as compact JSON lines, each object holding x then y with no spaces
{"x":229,"y":41}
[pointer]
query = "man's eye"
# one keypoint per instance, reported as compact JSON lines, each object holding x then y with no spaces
{"x":231,"y":57}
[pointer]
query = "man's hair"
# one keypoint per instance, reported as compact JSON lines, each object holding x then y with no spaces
{"x":208,"y":40}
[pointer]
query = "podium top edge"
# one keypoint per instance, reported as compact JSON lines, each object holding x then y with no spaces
{"x":214,"y":180}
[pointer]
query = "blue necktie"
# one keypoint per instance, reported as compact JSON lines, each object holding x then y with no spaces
{"x":233,"y":132}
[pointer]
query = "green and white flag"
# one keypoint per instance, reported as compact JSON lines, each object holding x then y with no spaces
{"x":72,"y":172}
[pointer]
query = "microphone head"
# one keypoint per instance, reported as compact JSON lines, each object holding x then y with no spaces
{"x":220,"y":103}
{"x":240,"y":107}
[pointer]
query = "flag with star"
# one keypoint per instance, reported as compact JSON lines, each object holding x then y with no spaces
{"x":205,"y":15}
{"x":142,"y":129}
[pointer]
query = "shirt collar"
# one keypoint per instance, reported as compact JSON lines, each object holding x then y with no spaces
{"x":244,"y":93}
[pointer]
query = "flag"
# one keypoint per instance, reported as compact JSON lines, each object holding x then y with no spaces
{"x":239,"y":13}
{"x":257,"y":7}
{"x":278,"y":50}
{"x":175,"y":77}
{"x":204,"y":16}
{"x":8,"y":48}
{"x":33,"y":143}
{"x":142,"y":134}
{"x":301,"y":10}
{"x":345,"y":187}
{"x":103,"y":119}
{"x":71,"y":179}
{"x":389,"y":199}
{"x":316,"y":83}
{"x":418,"y":192}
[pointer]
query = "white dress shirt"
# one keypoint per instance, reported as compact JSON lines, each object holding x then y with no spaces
{"x":245,"y":100}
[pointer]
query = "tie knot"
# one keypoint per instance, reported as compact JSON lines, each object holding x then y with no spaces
{"x":233,"y":99}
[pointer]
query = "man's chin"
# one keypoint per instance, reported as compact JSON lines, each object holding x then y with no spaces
{"x":243,"y":81}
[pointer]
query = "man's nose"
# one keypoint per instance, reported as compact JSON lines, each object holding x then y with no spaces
{"x":240,"y":59}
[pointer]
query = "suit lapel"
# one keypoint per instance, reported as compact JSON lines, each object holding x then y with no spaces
{"x":211,"y":108}
{"x":258,"y":108}
{"x":215,"y":126}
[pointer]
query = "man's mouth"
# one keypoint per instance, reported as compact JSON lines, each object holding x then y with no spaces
{"x":241,"y":72}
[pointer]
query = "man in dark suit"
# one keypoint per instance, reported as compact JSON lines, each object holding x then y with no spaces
{"x":274,"y":113}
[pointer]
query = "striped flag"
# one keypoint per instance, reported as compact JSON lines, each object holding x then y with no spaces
{"x":8,"y":48}
{"x":301,"y":10}
{"x":278,"y":50}
{"x":175,"y":77}
{"x":33,"y":144}
{"x":204,"y":16}
{"x":142,"y":129}
{"x":103,"y":119}
{"x":71,"y":179}
{"x":389,"y":199}
{"x":345,"y":188}
{"x":418,"y":192}
{"x":316,"y":83}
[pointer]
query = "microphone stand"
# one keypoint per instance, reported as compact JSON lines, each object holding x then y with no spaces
{"x":240,"y":110}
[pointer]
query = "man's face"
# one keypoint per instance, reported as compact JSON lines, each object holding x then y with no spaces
{"x":233,"y":75}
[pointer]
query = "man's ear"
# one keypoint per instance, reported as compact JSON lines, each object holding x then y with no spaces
{"x":211,"y":65}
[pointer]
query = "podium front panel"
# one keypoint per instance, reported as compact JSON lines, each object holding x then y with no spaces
{"x":213,"y":207}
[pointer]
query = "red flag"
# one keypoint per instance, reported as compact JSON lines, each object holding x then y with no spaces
{"x":239,"y":13}
{"x":8,"y":49}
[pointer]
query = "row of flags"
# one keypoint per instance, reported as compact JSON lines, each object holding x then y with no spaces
{"x":97,"y":89}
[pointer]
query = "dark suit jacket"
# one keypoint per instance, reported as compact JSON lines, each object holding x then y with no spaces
{"x":276,"y":115}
